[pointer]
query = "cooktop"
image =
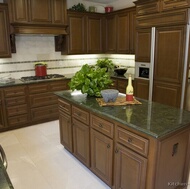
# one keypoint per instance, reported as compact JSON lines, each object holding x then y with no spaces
{"x":49,"y":76}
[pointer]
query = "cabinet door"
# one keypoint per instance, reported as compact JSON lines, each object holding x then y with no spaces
{"x":102,"y":156}
{"x":132,"y":31}
{"x":5,"y":50}
{"x":77,"y":34}
{"x":169,"y":53}
{"x":81,"y":142}
{"x":123,"y":33}
{"x":173,"y":4}
{"x":167,"y":93}
{"x":111,"y":34}
{"x":143,"y":45}
{"x":130,"y":169}
{"x":19,"y":10}
{"x":40,"y":11}
{"x":65,"y":131}
{"x":141,"y":88}
{"x":94,"y":34}
{"x":1,"y":111}
{"x":59,"y":15}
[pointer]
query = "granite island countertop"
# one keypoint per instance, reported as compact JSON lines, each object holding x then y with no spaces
{"x":154,"y":119}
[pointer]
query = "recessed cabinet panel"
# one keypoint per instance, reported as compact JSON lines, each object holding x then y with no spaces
{"x":40,"y":12}
{"x":167,"y":93}
{"x":102,"y":156}
{"x":94,"y":29}
{"x":141,"y":88}
{"x":77,"y":34}
{"x":169,"y":53}
{"x":59,"y":15}
{"x":123,"y":33}
{"x":5,"y":50}
{"x":143,"y":45}
{"x":20,"y":10}
{"x":173,"y":4}
{"x":111,"y":34}
{"x":130,"y":169}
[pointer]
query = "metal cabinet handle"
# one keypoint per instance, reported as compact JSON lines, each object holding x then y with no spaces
{"x":130,"y":140}
{"x":3,"y":157}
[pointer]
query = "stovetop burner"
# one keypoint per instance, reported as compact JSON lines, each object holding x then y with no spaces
{"x":49,"y":76}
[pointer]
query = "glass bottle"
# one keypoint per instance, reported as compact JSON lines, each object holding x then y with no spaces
{"x":129,"y":90}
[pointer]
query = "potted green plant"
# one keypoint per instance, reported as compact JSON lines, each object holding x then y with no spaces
{"x":105,"y":63}
{"x":90,"y":80}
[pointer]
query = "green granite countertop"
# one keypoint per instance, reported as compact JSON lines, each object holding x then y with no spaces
{"x":151,"y":118}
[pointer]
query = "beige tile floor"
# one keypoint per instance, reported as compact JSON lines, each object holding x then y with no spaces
{"x":37,"y":160}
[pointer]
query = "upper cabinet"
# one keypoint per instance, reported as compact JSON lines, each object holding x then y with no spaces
{"x":173,"y":4}
{"x":120,"y":31}
{"x":154,"y":6}
{"x":84,"y":33}
{"x":93,"y":33}
{"x":49,"y":14}
{"x":5,"y":50}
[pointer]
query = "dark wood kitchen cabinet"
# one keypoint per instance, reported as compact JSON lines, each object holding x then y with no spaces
{"x":143,"y":45}
{"x":101,"y":156}
{"x":81,"y":136}
{"x":30,"y":11}
{"x":5,"y":49}
{"x":121,"y":155}
{"x":102,"y":148}
{"x":65,"y":125}
{"x":125,"y":160}
{"x":173,"y":4}
{"x":16,"y":106}
{"x":120,"y":31}
{"x":43,"y":103}
{"x":85,"y":33}
{"x":169,"y":64}
{"x":141,"y":88}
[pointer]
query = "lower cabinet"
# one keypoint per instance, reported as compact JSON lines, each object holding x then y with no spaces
{"x":130,"y":169}
{"x":141,"y":88}
{"x":81,"y":142}
{"x":65,"y":130}
{"x":102,"y":156}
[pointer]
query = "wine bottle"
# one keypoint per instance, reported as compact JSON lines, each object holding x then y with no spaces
{"x":129,"y":90}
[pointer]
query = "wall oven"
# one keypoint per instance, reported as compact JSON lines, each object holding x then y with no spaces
{"x":142,"y":70}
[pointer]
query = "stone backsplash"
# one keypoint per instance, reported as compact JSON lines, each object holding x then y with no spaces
{"x":37,"y":48}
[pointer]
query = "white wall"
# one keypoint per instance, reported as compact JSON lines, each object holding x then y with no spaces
{"x":31,"y":49}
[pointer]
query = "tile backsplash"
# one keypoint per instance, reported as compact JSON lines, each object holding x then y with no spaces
{"x":37,"y":48}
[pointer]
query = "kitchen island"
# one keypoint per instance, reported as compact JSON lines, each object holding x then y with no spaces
{"x":142,"y":146}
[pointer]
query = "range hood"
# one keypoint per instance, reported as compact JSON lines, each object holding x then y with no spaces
{"x":22,"y":28}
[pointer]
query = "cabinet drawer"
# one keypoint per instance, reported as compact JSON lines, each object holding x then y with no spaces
{"x":18,"y":120}
{"x":42,"y":99}
{"x":148,"y":8}
{"x":64,"y":106}
{"x":102,"y":125}
{"x":45,"y":113}
{"x":38,"y":88}
{"x":58,"y":85}
{"x":17,"y":110}
{"x":132,"y":141}
{"x":81,"y":115}
{"x":16,"y":101}
{"x":15,"y":91}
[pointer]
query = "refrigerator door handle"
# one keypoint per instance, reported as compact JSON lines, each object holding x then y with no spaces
{"x":3,"y":157}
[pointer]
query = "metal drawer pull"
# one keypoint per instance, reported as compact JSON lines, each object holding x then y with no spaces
{"x":130,"y":140}
{"x":100,"y":125}
{"x":108,"y":146}
{"x":3,"y":157}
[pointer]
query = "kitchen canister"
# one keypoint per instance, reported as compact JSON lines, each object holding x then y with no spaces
{"x":92,"y":9}
{"x":41,"y":69}
{"x":108,"y":9}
